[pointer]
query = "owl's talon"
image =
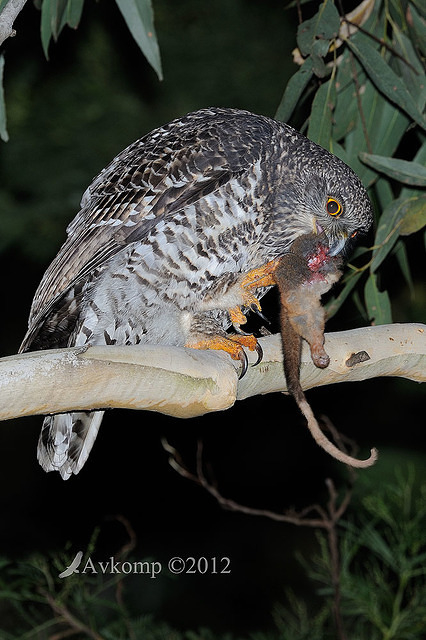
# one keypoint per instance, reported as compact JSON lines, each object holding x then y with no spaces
{"x":232,"y":344}
{"x":239,"y":331}
{"x":259,"y":352}
{"x":244,"y":364}
{"x":257,"y":311}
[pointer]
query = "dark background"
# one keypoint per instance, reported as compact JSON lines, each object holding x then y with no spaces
{"x":67,"y":118}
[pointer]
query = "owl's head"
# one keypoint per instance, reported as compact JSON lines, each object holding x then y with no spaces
{"x":336,"y":203}
{"x":321,"y":194}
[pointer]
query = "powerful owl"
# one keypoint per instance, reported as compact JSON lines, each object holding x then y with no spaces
{"x":175,"y":243}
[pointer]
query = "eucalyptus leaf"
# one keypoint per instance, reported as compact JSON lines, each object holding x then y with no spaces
{"x":139,"y":17}
{"x":3,"y":129}
{"x":387,"y":232}
{"x":333,"y":305}
{"x":402,"y":257}
{"x":377,"y":302}
{"x":324,"y":25}
{"x":46,"y":26}
{"x":380,"y":131}
{"x":320,"y":121}
{"x":347,"y":114}
{"x":294,"y":90}
{"x":420,"y":158}
{"x":386,"y":79}
{"x":339,"y":151}
{"x":419,"y":27}
{"x":415,"y":218}
{"x":402,"y":170}
{"x":74,"y":11}
{"x":53,"y":19}
{"x":55,"y":15}
{"x":383,"y":192}
{"x":411,"y":68}
{"x":389,"y":227}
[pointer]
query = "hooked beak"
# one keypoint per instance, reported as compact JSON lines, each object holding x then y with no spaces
{"x":336,"y":241}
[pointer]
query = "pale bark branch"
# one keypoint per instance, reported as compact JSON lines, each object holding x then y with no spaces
{"x":8,"y":15}
{"x":185,"y":382}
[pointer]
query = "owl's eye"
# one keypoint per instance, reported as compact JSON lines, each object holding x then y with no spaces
{"x":334,"y":208}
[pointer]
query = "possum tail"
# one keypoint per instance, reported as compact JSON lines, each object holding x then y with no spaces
{"x":323,"y":441}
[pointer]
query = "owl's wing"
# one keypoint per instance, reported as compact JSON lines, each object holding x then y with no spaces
{"x":156,"y":176}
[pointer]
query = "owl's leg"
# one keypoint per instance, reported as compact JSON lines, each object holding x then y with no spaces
{"x":207,"y":333}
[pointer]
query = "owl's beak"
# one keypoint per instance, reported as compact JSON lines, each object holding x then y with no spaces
{"x":336,"y":240}
{"x":337,"y":243}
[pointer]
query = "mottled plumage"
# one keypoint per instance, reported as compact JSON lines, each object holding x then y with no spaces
{"x":166,"y":233}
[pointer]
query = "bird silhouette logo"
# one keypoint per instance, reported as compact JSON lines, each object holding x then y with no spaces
{"x":73,"y":567}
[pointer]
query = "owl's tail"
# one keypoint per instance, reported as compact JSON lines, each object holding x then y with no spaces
{"x":66,"y":440}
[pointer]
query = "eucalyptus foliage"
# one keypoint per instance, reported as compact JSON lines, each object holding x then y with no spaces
{"x":362,"y":84}
{"x":57,"y":14}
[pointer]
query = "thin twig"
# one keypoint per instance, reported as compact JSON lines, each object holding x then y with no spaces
{"x":328,"y":519}
{"x":291,"y":516}
{"x":74,"y":623}
{"x":299,"y":12}
{"x":63,"y":634}
{"x":129,"y":546}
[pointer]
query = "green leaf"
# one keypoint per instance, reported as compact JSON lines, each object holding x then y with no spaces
{"x":387,"y":231}
{"x":333,"y":305}
{"x":381,"y":129}
{"x":320,"y":120}
{"x":420,"y":158}
{"x":294,"y":90}
{"x":415,"y":218}
{"x":346,"y":114}
{"x":403,"y":210}
{"x":324,"y":25}
{"x":339,"y":151}
{"x":53,"y":14}
{"x":385,"y":79}
{"x":419,"y":27}
{"x":377,"y":302}
{"x":383,"y":193}
{"x":412,"y":73}
{"x":402,"y":257}
{"x":3,"y":129}
{"x":139,"y":17}
{"x":402,"y":170}
{"x":74,"y":11}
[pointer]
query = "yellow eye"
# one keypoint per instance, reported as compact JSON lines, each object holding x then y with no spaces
{"x":334,"y":208}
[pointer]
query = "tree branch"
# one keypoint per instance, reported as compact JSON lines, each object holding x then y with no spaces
{"x":8,"y":16}
{"x":185,"y":382}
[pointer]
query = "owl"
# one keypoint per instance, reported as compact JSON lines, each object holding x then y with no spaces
{"x":176,"y":241}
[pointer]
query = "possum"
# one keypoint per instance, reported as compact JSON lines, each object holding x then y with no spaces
{"x":302,"y":276}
